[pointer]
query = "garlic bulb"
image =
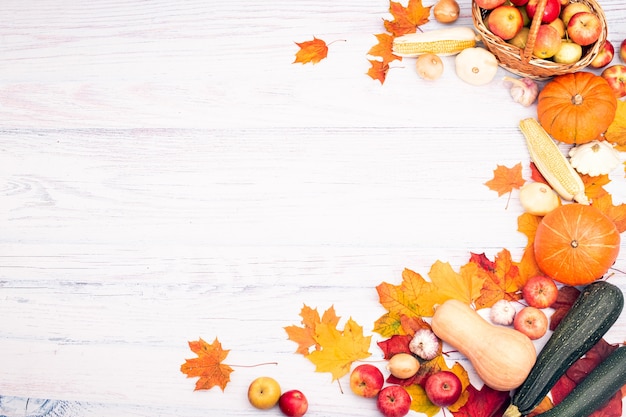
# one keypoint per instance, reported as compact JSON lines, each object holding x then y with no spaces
{"x":502,"y":313}
{"x":594,"y":158}
{"x":523,"y":90}
{"x":425,"y":344}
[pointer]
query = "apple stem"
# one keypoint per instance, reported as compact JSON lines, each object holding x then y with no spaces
{"x":252,"y":366}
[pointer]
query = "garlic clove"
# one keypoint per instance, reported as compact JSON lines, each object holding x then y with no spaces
{"x":523,"y":90}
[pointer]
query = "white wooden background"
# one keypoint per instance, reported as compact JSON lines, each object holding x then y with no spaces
{"x":168,"y":173}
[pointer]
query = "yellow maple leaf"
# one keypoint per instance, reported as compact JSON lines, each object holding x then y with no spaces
{"x":388,"y":325}
{"x":616,"y":132}
{"x":208,"y":365}
{"x":420,"y":402}
{"x":413,"y":297}
{"x":464,"y":286}
{"x":305,"y":336}
{"x":339,"y":349}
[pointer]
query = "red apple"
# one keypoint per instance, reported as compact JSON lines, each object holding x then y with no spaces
{"x":489,"y":4}
{"x":604,"y":57}
{"x":550,"y":12}
{"x":547,"y":42}
{"x":584,"y":28}
{"x":571,"y":9}
{"x":264,"y":392}
{"x":443,"y":388}
{"x":393,"y":401}
{"x":540,"y":291}
{"x":622,"y":51}
{"x":532,"y":322}
{"x":293,"y":403}
{"x":615,"y":75}
{"x":366,"y":380}
{"x":505,"y":22}
{"x":518,"y":2}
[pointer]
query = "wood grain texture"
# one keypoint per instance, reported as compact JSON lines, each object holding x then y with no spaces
{"x":168,"y":173}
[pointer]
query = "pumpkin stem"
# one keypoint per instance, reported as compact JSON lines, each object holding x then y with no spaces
{"x":574,"y":244}
{"x":577,"y":99}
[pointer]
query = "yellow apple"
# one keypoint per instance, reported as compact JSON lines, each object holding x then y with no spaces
{"x":520,"y":39}
{"x":571,"y":9}
{"x":264,"y":392}
{"x":559,"y":26}
{"x":568,"y":53}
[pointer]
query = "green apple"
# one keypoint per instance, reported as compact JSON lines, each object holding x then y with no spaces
{"x":264,"y":392}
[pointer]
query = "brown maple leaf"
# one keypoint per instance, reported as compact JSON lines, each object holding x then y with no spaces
{"x":208,"y":365}
{"x":506,"y":179}
{"x":406,"y":19}
{"x":311,"y":51}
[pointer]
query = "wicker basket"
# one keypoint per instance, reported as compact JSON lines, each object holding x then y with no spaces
{"x":520,"y":61}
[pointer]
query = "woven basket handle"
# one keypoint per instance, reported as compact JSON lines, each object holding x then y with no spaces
{"x":534,"y":28}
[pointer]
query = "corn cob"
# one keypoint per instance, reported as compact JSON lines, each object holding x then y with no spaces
{"x":448,"y":41}
{"x":551,"y":162}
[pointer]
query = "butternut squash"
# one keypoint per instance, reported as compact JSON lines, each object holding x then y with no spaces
{"x":502,"y":357}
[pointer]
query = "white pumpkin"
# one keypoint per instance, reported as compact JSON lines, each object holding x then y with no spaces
{"x":476,"y":66}
{"x":594,"y":158}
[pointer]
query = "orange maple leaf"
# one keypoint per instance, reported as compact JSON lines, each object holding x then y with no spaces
{"x":594,"y":186}
{"x":311,"y":51}
{"x":527,"y":224}
{"x":502,"y":278}
{"x":384,"y":48}
{"x":378,"y":70}
{"x":208,"y":365}
{"x":305,"y":336}
{"x":506,"y":179}
{"x":406,"y":19}
{"x":616,"y":132}
{"x":339,"y":349}
{"x":616,"y":213}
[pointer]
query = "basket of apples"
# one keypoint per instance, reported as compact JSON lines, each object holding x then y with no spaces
{"x":541,"y":38}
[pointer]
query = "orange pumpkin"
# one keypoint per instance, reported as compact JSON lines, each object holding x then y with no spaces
{"x":576,"y":244}
{"x":576,"y":108}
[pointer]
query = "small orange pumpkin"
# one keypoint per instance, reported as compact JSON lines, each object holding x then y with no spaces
{"x":576,"y":244}
{"x":576,"y":108}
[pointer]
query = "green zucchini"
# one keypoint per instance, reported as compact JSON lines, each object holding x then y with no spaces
{"x":595,"y":390}
{"x":590,"y":317}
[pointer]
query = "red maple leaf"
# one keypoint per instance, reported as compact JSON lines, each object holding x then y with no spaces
{"x":484,"y":403}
